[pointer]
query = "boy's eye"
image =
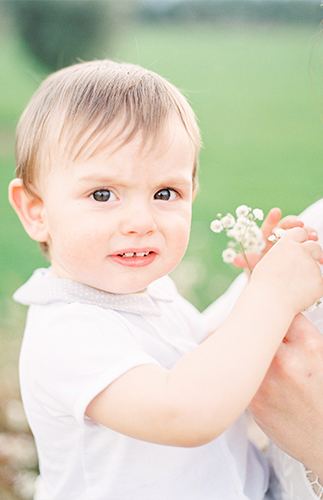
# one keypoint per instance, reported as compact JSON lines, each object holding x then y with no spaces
{"x":165,"y":194}
{"x":103,"y":195}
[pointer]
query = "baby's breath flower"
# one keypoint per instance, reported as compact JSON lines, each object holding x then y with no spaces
{"x":258,"y":213}
{"x":252,"y":244}
{"x":277,"y":234}
{"x":245,"y":235}
{"x":243,"y":210}
{"x":216,"y":226}
{"x":261,"y":246}
{"x":228,"y":255}
{"x":228,"y":221}
{"x":243,"y":220}
{"x":236,"y":232}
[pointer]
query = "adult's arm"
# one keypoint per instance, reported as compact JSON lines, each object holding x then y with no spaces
{"x":289,"y":404}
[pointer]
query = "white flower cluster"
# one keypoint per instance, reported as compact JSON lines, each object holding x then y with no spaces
{"x":277,"y":234}
{"x":245,"y":234}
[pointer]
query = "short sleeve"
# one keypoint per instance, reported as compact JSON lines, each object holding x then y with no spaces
{"x":78,"y":353}
{"x":183,"y":311}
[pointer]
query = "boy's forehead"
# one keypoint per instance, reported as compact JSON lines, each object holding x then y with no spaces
{"x":103,"y":158}
{"x":95,"y":142}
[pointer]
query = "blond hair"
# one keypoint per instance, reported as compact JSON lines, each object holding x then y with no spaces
{"x":73,"y":108}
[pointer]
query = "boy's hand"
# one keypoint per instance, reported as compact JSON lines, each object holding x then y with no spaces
{"x":271,"y":222}
{"x":291,"y":269}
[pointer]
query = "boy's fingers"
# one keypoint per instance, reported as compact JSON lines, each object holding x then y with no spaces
{"x":315,"y":249}
{"x":297,"y":234}
{"x":300,"y":235}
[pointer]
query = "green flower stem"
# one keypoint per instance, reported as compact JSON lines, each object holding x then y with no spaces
{"x":245,"y":257}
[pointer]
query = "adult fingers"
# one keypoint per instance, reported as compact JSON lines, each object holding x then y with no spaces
{"x":253,"y":259}
{"x":271,"y":221}
{"x":301,"y":327}
{"x":312,"y":233}
{"x":290,"y":221}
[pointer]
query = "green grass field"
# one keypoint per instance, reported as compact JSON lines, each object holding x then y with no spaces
{"x":260,"y":118}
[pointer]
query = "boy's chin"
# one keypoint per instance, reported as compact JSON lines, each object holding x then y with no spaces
{"x":118,"y":288}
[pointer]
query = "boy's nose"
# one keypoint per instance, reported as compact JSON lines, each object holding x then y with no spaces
{"x":138,"y":220}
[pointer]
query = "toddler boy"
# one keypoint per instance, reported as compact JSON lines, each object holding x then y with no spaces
{"x":127,"y":393}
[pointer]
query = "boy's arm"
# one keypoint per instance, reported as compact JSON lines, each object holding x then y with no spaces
{"x":205,"y":391}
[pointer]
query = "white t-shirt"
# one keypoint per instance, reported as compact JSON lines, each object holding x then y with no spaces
{"x":77,"y":341}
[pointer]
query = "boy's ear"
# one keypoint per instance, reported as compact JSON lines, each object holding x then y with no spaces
{"x":30,"y":210}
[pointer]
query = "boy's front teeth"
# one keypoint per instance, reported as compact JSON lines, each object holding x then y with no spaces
{"x":133,"y":254}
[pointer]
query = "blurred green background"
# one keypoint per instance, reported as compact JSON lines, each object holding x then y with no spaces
{"x":252,"y":72}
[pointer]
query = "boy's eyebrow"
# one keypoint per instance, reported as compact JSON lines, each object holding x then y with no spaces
{"x":97,"y":178}
{"x":107,"y":179}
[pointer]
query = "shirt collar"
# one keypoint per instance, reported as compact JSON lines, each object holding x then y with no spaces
{"x":42,"y":289}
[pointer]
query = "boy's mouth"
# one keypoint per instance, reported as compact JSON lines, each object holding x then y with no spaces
{"x":140,"y":258}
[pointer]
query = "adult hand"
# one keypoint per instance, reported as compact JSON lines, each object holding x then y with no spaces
{"x":271,"y":222}
{"x":288,"y":407}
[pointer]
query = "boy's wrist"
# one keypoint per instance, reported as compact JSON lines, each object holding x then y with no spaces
{"x":277,"y":302}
